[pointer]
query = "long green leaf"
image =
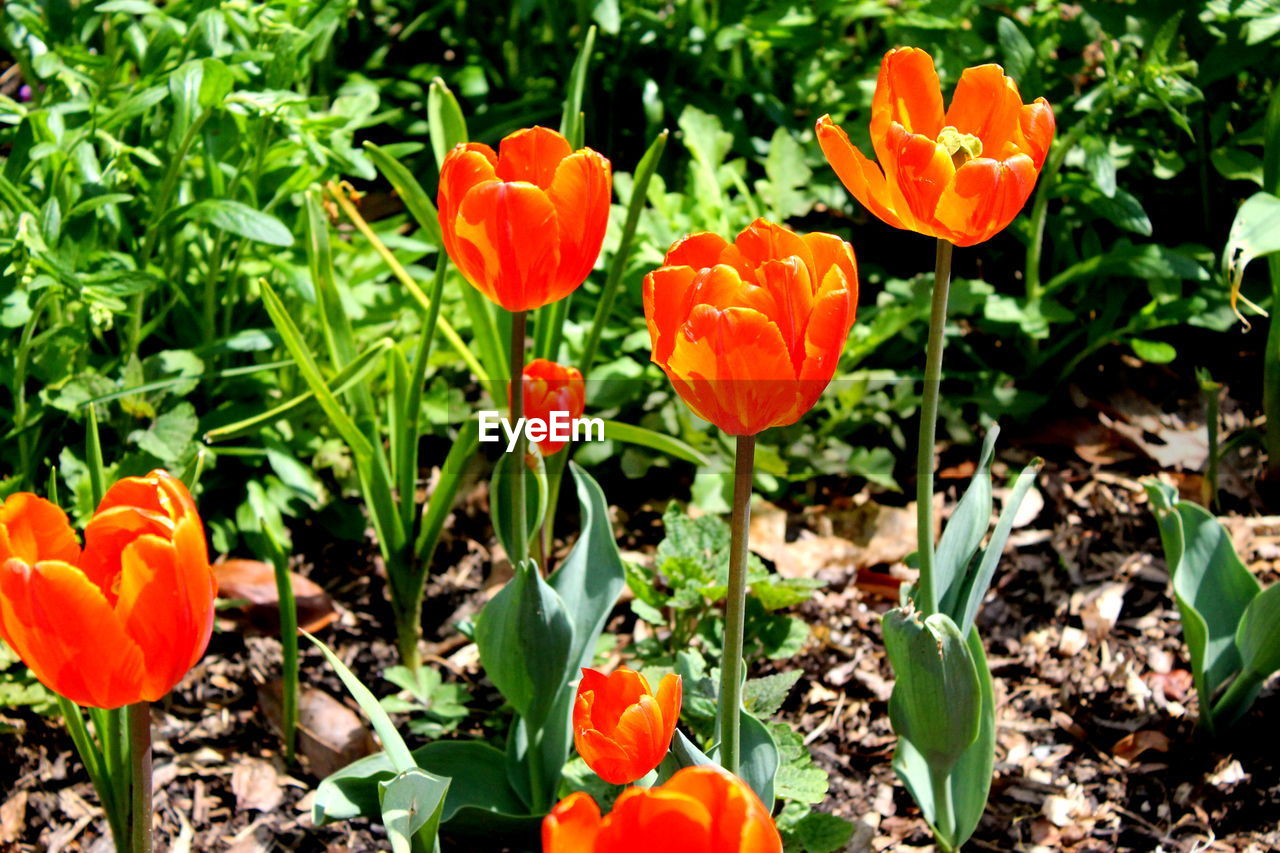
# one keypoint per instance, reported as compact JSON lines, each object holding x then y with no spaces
{"x":642,"y":437}
{"x":639,"y":192}
{"x":963,"y":534}
{"x":571,"y":124}
{"x":445,"y":122}
{"x":436,"y":510}
{"x":410,"y":191}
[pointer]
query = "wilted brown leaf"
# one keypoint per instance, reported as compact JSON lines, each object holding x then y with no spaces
{"x":255,"y":582}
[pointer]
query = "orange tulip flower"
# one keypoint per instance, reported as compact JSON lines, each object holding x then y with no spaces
{"x":550,"y":387}
{"x":699,"y":810}
{"x":961,"y":176}
{"x":525,"y":225}
{"x":750,"y":332}
{"x":620,"y":727}
{"x":121,"y":621}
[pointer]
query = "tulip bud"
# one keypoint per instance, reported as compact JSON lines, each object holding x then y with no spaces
{"x":620,"y":727}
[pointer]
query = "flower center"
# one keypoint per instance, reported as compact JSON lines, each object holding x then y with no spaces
{"x":962,"y":147}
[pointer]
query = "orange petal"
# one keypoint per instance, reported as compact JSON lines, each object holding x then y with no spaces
{"x":647,"y":819}
{"x":986,"y":104}
{"x":831,"y":254}
{"x":859,"y":175}
{"x":622,"y":689}
{"x":580,"y":193}
{"x":33,"y":529}
{"x":572,"y":826}
{"x":107,"y":534}
{"x":465,"y":167}
{"x":166,"y":606}
{"x":738,"y":816}
{"x":667,"y":299}
{"x":788,"y":282}
{"x":613,"y":762}
{"x":907,"y":92}
{"x":508,"y":244}
{"x":61,"y":626}
{"x":921,"y":171}
{"x":985,"y":197}
{"x":733,"y":369}
{"x":763,"y":241}
{"x":1035,"y":130}
{"x":699,"y":251}
{"x":824,"y":342}
{"x":531,"y":155}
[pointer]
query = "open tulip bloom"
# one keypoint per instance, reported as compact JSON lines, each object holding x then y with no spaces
{"x":621,"y":728}
{"x":700,"y":809}
{"x":749,"y":333}
{"x":960,"y":176}
{"x":524,"y":225}
{"x":117,"y":623}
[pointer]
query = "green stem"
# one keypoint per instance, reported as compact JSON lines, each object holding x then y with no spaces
{"x":1271,"y":376}
{"x":943,"y":821}
{"x":520,"y":533}
{"x":928,"y":598}
{"x":94,"y":765}
{"x":736,"y":606}
{"x":288,"y":643}
{"x":140,"y":760}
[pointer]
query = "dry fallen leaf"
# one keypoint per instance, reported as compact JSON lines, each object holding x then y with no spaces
{"x":255,"y":582}
{"x":256,"y":784}
{"x":1134,"y":744}
{"x":330,"y":735}
{"x":13,"y":817}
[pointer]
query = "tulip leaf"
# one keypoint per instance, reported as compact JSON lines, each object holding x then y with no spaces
{"x":684,"y":753}
{"x":642,"y":437}
{"x":758,"y":764}
{"x":588,"y":583}
{"x":963,"y":534}
{"x":936,"y":700}
{"x":979,"y":577}
{"x":1258,"y":636}
{"x":478,"y":784}
{"x":415,"y":198}
{"x":445,"y":122}
{"x":1212,"y":587}
{"x":394,"y":745}
{"x":525,"y":638}
{"x":411,"y":803}
{"x":969,"y":782}
{"x":502,"y":506}
{"x":571,"y":125}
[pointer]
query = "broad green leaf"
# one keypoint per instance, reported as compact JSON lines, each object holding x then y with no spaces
{"x":963,"y":534}
{"x":170,"y":434}
{"x":525,"y":639}
{"x":1154,"y":352}
{"x":1019,"y":55}
{"x":445,"y":121}
{"x":764,"y":696}
{"x":936,"y":700}
{"x":240,"y":219}
{"x":1254,"y":232}
{"x":477,"y":774}
{"x":758,"y":765}
{"x":501,"y":492}
{"x":1213,"y":589}
{"x":819,"y":832}
{"x":969,"y":783}
{"x":588,"y":583}
{"x":1258,"y":636}
{"x":411,"y":804}
{"x":1102,"y":167}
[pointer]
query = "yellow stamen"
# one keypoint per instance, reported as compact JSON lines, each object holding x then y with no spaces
{"x":962,"y":147}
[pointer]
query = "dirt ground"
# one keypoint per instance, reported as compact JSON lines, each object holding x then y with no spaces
{"x":1098,"y":745}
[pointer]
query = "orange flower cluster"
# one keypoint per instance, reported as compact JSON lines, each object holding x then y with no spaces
{"x":524,"y":225}
{"x":699,"y":810}
{"x":124,"y":619}
{"x":750,"y":332}
{"x":961,"y":175}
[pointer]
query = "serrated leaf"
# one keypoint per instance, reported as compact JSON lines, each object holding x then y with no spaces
{"x":764,"y":696}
